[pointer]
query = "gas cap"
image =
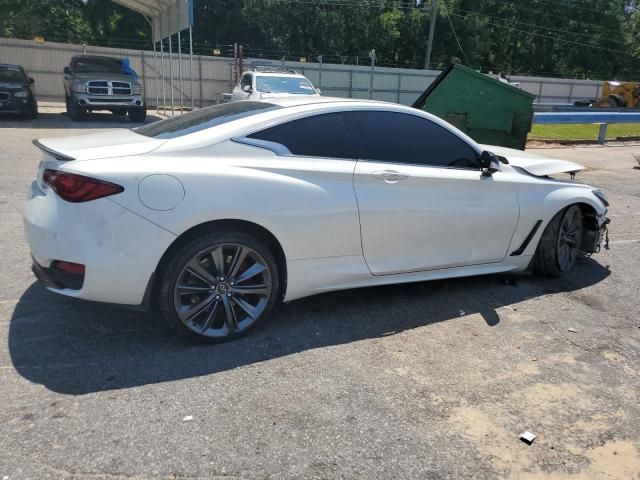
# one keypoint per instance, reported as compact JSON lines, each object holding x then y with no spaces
{"x":161,"y":192}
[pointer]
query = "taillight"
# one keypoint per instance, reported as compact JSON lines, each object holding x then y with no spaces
{"x":78,"y":188}
{"x":68,"y":267}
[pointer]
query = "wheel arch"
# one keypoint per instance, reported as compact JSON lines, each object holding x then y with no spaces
{"x":589,"y":217}
{"x":235,"y":225}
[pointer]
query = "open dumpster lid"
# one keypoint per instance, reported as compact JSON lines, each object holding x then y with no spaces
{"x":419,"y":103}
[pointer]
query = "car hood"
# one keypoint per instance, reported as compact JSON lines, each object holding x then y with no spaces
{"x":100,"y":145}
{"x":534,"y":164}
{"x":118,"y":77}
{"x":12,"y":85}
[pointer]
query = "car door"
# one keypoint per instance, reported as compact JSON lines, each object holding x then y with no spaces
{"x":315,"y":159}
{"x":423,"y":201}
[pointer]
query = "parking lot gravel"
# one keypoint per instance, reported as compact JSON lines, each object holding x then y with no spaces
{"x":424,"y":381}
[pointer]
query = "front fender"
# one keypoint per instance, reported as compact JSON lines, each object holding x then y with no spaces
{"x":542,"y":202}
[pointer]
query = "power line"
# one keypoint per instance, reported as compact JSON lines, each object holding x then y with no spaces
{"x":446,"y":12}
{"x":555,"y":38}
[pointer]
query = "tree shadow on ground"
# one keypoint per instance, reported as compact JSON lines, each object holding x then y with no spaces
{"x":76,"y":347}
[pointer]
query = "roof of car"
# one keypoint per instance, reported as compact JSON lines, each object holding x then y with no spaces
{"x":297,"y":100}
{"x":76,"y":57}
{"x":10,"y":65}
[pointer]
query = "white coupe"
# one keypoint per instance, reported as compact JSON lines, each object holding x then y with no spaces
{"x":216,"y":215}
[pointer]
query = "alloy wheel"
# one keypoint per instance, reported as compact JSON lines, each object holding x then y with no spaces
{"x":223,"y":290}
{"x":569,"y":239}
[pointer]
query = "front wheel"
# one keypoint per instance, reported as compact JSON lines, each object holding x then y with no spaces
{"x":560,"y":244}
{"x":219,"y":286}
{"x":138,"y":114}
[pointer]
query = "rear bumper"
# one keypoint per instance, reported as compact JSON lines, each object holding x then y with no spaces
{"x":119,"y":249}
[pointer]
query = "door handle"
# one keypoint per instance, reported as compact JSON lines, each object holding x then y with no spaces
{"x":390,"y":176}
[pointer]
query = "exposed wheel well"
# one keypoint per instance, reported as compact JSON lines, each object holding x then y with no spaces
{"x":243,"y":226}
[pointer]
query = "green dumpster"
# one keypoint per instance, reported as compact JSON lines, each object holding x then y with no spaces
{"x":487,"y":110}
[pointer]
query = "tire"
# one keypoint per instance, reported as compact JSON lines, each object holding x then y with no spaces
{"x":138,"y":115}
{"x":31,"y":113}
{"x":75,"y":112}
{"x":560,"y":243}
{"x":205,"y":305}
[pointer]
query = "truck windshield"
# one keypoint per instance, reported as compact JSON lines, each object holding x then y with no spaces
{"x":11,"y":75}
{"x":203,"y":119}
{"x":97,"y":65}
{"x":292,"y":85}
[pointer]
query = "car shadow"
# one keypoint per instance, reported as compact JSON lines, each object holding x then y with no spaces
{"x":51,"y":120}
{"x":76,"y":347}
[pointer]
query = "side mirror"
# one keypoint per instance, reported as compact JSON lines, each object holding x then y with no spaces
{"x":31,"y":80}
{"x":247,"y":88}
{"x":489,"y":163}
{"x":67,"y":71}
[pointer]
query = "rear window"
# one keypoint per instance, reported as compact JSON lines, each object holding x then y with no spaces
{"x":203,"y":119}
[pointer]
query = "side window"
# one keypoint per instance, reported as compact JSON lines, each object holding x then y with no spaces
{"x":318,"y":136}
{"x":404,"y":138}
{"x":246,"y":80}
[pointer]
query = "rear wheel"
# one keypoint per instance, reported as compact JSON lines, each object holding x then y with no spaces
{"x":218,"y":287}
{"x":560,"y":244}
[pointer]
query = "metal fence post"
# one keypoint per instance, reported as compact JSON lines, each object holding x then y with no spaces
{"x":320,"y":72}
{"x":399,"y":87}
{"x":570,"y":93}
{"x":540,"y":93}
{"x":602,"y":134}
{"x":351,"y":83}
{"x":200,"y":76}
{"x":372,"y":55}
{"x":144,"y":77}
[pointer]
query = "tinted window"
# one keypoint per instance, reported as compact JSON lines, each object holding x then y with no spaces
{"x":202,"y":119}
{"x":404,"y":138}
{"x":292,"y":85}
{"x":10,"y":74}
{"x":246,"y":80}
{"x":97,"y":65}
{"x":317,"y":136}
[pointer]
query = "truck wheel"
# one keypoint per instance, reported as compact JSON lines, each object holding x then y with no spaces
{"x":138,"y":115}
{"x":75,"y":112}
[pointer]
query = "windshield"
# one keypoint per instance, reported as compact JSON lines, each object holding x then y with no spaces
{"x":97,"y":65}
{"x":203,"y":119}
{"x":11,"y":75}
{"x":292,"y":85}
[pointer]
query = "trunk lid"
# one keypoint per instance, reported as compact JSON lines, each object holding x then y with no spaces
{"x":535,"y":164}
{"x":99,"y":145}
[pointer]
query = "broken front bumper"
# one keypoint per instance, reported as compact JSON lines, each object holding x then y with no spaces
{"x":595,"y":233}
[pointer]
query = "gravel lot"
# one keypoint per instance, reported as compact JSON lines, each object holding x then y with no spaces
{"x":426,"y":381}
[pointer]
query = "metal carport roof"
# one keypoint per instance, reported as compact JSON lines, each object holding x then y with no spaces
{"x":167,"y":18}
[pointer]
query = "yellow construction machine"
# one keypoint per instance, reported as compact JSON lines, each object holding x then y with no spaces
{"x":615,"y":95}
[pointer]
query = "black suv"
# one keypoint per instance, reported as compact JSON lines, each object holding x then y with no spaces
{"x":16,"y":92}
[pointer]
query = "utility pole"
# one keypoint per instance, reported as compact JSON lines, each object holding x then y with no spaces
{"x":432,"y":29}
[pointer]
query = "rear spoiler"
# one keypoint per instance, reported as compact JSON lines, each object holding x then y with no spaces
{"x":56,"y":155}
